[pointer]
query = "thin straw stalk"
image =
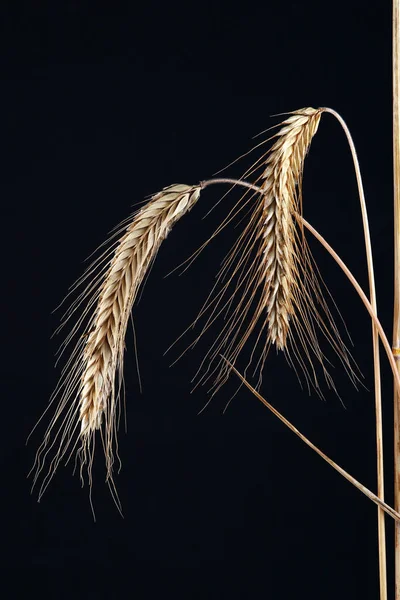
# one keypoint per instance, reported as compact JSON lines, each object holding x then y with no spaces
{"x":385,"y":507}
{"x":396,"y":302}
{"x":376,"y":359}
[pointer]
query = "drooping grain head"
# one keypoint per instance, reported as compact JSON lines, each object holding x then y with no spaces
{"x":281,"y":181}
{"x":89,"y":391}
{"x":268,"y":288}
{"x":104,"y":349}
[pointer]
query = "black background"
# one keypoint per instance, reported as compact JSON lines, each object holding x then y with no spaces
{"x":103,"y":104}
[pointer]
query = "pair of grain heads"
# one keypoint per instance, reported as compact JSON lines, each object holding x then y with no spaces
{"x":268,"y":287}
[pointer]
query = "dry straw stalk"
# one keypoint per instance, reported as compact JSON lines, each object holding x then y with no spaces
{"x":396,"y":301}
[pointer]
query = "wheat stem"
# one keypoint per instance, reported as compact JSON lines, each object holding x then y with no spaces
{"x":396,"y":302}
{"x":376,"y":359}
{"x":388,"y":509}
{"x":228,"y":180}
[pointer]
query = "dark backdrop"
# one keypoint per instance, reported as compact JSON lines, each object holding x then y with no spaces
{"x":103,"y":104}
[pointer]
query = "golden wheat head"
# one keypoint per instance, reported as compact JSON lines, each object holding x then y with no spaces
{"x":281,"y":181}
{"x":268,"y":286}
{"x":89,"y":390}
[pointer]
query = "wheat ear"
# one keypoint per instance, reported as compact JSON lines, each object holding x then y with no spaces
{"x":89,"y":392}
{"x":268,"y":287}
{"x":281,"y":182}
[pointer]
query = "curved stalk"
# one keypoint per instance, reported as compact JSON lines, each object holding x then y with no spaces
{"x":375,"y":350}
{"x":228,"y":180}
{"x":366,"y":302}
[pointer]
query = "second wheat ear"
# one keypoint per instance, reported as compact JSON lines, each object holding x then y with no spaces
{"x":268,"y":288}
